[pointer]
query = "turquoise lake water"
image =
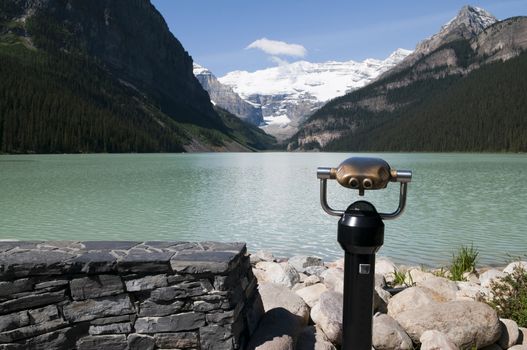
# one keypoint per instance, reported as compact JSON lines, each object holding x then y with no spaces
{"x":269,"y":200}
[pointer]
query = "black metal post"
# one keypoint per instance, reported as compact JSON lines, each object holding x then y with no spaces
{"x":360,"y":234}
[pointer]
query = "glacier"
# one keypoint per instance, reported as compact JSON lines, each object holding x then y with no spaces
{"x":288,"y":93}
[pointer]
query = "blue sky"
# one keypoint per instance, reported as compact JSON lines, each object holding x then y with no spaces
{"x":217,"y":33}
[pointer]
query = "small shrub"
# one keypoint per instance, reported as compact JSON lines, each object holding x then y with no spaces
{"x":509,"y":296}
{"x":463,"y":261}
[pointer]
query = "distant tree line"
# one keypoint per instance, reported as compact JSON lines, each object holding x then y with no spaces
{"x":483,"y":111}
{"x":66,"y":103}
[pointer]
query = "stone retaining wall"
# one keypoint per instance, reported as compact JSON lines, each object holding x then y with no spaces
{"x":126,"y":295}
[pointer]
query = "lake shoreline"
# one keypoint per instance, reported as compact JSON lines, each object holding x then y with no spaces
{"x":386,"y":262}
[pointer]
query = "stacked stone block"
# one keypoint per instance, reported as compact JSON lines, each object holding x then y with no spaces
{"x":126,"y":295}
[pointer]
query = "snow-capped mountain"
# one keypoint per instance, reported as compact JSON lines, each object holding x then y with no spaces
{"x":290,"y":92}
{"x":469,"y":22}
{"x":224,"y":97}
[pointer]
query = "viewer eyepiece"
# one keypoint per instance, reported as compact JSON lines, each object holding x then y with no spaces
{"x":353,"y":183}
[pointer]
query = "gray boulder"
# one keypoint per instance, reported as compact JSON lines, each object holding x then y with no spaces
{"x":327,"y":314}
{"x":381,"y":298}
{"x":388,"y":334}
{"x":298,"y":286}
{"x":333,"y":278}
{"x":301,"y":262}
{"x":380,"y":281}
{"x":514,"y":265}
{"x":278,"y":296}
{"x":466,"y":323}
{"x":313,"y":338}
{"x":469,"y":291}
{"x":487,"y":277}
{"x":418,"y":275}
{"x":471,"y":276}
{"x":283,"y":273}
{"x":260,"y":256}
{"x":278,"y":330}
{"x":509,"y":333}
{"x":442,"y":286}
{"x":435,"y":340}
{"x":385,"y":267}
{"x":518,"y":347}
{"x":302,"y":277}
{"x":311,"y":280}
{"x":312,"y":293}
{"x":412,"y":298}
{"x":315,"y":270}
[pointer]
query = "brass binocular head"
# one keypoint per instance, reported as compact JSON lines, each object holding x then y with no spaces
{"x":363,"y":174}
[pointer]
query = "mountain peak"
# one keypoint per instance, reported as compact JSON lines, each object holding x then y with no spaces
{"x":399,"y":54}
{"x":200,"y":70}
{"x":469,"y":22}
{"x":475,"y":19}
{"x":223,"y":96}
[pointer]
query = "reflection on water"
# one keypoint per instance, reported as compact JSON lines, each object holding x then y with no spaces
{"x":269,"y":200}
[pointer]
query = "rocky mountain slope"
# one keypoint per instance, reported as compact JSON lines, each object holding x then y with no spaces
{"x":100,"y":76}
{"x":469,"y":22}
{"x":224,"y":97}
{"x":288,"y":93}
{"x":472,"y":55}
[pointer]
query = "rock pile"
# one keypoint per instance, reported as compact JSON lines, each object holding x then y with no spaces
{"x":429,"y":311}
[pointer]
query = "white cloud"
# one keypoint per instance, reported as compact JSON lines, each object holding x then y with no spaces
{"x":278,"y":48}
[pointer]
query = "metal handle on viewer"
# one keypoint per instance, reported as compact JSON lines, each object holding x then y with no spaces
{"x":328,"y":173}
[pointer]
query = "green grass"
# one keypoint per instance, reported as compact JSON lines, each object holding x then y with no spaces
{"x":463,"y":261}
{"x":402,"y":277}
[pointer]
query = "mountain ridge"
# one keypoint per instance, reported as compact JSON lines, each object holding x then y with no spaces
{"x":408,"y":86}
{"x":153,"y":102}
{"x":469,"y":22}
